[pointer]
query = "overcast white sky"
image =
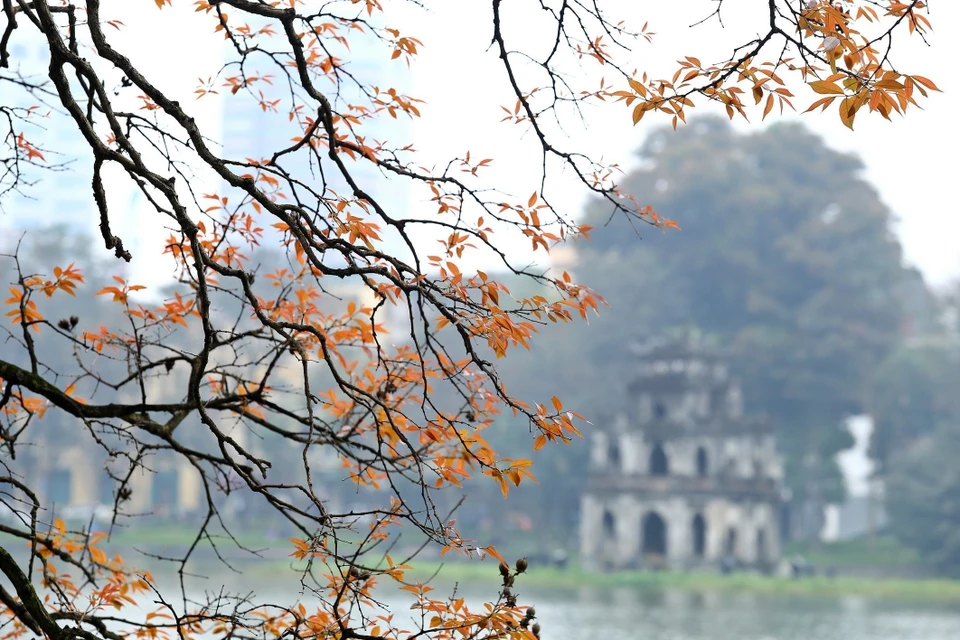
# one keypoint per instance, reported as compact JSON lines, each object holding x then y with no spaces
{"x":912,"y":161}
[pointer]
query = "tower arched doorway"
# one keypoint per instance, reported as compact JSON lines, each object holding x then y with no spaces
{"x":609,"y":525}
{"x":703,"y":467}
{"x":654,"y":535}
{"x":699,"y":536}
{"x":659,"y":465}
{"x":730,"y":546}
{"x":613,"y":455}
{"x":608,"y":554}
{"x":659,"y":411}
{"x":761,"y":546}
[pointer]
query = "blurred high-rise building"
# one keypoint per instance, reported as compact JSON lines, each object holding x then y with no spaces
{"x":250,"y":131}
{"x":58,"y":191}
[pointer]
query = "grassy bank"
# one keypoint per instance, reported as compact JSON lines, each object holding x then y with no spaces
{"x":275,"y":566}
{"x":881,"y":552}
{"x":485,"y":574}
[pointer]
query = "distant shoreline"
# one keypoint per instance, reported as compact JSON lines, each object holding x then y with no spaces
{"x":275,"y":565}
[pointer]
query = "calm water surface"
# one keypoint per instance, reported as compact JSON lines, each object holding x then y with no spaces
{"x":607,"y":614}
{"x":673,"y":615}
{"x":644,"y":614}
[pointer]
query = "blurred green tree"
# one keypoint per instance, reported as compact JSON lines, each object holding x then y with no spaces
{"x":786,"y":259}
{"x":923,"y":498}
{"x":913,"y":391}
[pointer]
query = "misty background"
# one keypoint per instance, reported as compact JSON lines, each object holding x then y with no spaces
{"x":788,"y":265}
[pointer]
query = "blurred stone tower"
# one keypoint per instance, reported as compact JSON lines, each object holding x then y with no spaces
{"x":680,"y":478}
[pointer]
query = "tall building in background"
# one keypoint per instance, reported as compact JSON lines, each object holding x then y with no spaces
{"x":251,"y":132}
{"x":58,"y":195}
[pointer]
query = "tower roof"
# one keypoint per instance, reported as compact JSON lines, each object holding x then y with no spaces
{"x":691,"y":344}
{"x":681,"y":387}
{"x":674,"y":365}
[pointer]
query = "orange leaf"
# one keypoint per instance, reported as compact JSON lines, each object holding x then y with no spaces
{"x":848,"y":110}
{"x":926,"y":82}
{"x":769,"y":106}
{"x":824,"y":87}
{"x":492,"y":550}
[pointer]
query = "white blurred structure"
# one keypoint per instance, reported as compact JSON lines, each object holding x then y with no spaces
{"x":862,"y":513}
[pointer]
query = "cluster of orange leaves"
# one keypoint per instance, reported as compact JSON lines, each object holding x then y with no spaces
{"x":447,"y":619}
{"x":66,"y":595}
{"x":22,"y":407}
{"x":32,"y":151}
{"x":118,"y":587}
{"x":26,"y":310}
{"x":456,"y":442}
{"x":857,"y":74}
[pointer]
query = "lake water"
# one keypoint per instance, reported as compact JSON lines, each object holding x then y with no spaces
{"x":645,"y":614}
{"x":592,"y":614}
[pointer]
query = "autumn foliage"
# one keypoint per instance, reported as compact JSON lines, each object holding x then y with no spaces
{"x":402,"y":403}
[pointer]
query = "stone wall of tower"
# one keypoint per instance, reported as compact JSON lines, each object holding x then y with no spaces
{"x":750,"y":527}
{"x":682,"y":466}
{"x":746,"y":455}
